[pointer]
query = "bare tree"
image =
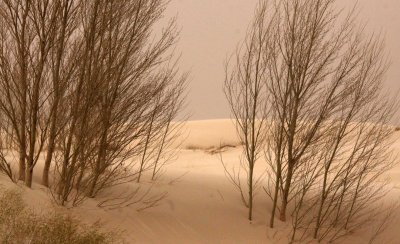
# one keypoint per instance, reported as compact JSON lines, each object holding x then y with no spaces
{"x":62,"y":68}
{"x":161,"y":141}
{"x":28,"y":33}
{"x":328,"y":143}
{"x":126,"y":89}
{"x":92,"y":81}
{"x":245,"y":91}
{"x":306,"y":86}
{"x":358,"y":159}
{"x":5,"y":165}
{"x":14,"y":61}
{"x":166,"y":147}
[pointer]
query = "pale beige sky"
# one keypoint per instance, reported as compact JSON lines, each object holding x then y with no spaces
{"x":211,"y":29}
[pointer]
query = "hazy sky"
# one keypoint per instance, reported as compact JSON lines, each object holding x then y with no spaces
{"x":211,"y":29}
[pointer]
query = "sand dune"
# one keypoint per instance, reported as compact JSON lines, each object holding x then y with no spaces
{"x":201,"y":206}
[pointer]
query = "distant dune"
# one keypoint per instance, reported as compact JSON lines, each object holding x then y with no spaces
{"x":201,"y":206}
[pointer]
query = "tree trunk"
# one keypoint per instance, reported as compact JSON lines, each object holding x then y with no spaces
{"x":276,"y":191}
{"x":28,"y":176}
{"x":286,"y":190}
{"x":51,"y":147}
{"x":56,"y":87}
{"x":21,"y":172}
{"x":93,"y":184}
{"x":161,"y":147}
{"x":321,"y":206}
{"x":100,"y":158}
{"x":251,"y":194}
{"x":142,"y":163}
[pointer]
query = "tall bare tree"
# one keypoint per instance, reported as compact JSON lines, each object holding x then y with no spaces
{"x":62,"y":67}
{"x":245,"y":91}
{"x":5,"y":165}
{"x":28,"y":30}
{"x":92,"y":82}
{"x":122,"y":100}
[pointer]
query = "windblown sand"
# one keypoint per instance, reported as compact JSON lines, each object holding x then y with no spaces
{"x":201,"y":206}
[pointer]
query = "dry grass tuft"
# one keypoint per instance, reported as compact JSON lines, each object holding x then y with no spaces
{"x":220,"y":149}
{"x":194,"y":147}
{"x":20,"y":224}
{"x":211,"y":149}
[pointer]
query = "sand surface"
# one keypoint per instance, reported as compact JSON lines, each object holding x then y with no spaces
{"x":201,"y":205}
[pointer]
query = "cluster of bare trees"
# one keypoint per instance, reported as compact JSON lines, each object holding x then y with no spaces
{"x":90,"y":88}
{"x":310,"y":94}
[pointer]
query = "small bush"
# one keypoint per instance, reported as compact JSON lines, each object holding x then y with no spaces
{"x":211,"y":149}
{"x":220,"y":149}
{"x":397,"y":129}
{"x":194,"y":147}
{"x":20,"y":224}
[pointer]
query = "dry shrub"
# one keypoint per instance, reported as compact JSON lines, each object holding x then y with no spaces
{"x":220,"y":149}
{"x":20,"y":224}
{"x":213,"y":149}
{"x":196,"y":147}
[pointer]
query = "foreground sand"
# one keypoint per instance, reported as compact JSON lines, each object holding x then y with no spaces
{"x":201,"y":205}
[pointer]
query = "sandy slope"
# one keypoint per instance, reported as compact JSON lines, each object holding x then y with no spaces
{"x":201,"y":206}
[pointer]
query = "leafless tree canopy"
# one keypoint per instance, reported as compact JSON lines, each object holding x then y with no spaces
{"x":89,"y":85}
{"x":328,"y":135}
